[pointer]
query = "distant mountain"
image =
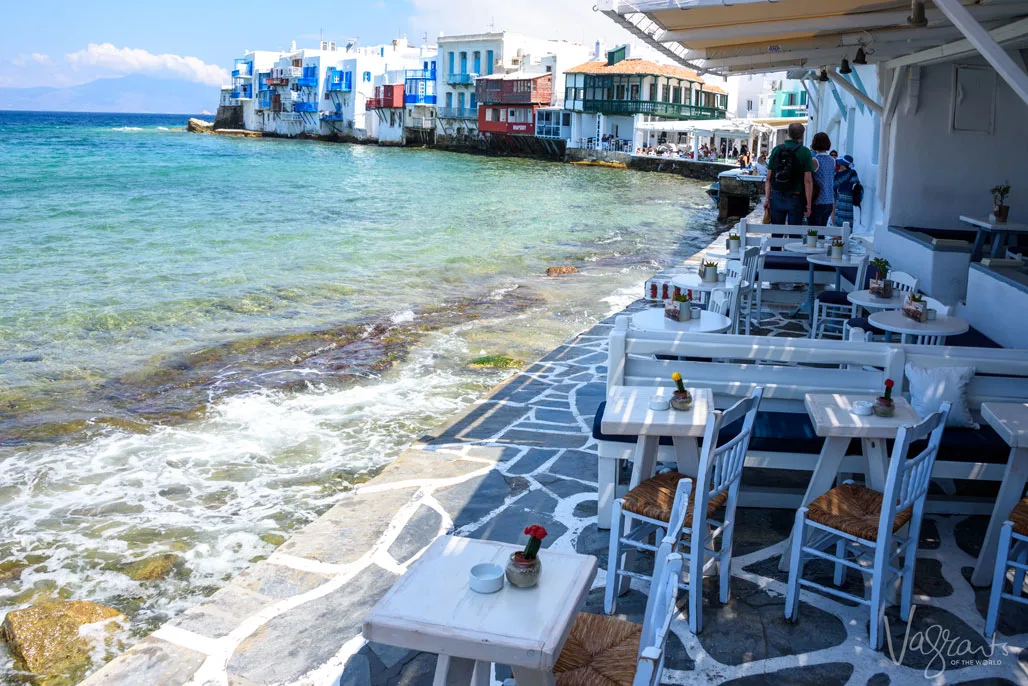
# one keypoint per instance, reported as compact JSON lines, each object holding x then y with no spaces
{"x":134,"y":93}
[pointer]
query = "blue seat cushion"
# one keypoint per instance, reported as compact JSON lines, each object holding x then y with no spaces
{"x":792,"y":263}
{"x":972,"y":338}
{"x":970,"y":445}
{"x":833,"y":298}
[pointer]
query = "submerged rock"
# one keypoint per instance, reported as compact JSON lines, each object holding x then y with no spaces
{"x":151,"y":568}
{"x":562,"y":270}
{"x":497,"y":362}
{"x":199,"y":126}
{"x":45,"y":638}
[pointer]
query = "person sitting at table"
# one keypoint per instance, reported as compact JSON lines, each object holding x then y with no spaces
{"x":761,"y":164}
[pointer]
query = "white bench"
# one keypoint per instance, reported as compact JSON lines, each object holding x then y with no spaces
{"x":780,"y":265}
{"x":787,"y":369}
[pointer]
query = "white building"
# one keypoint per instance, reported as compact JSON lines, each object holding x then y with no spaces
{"x":322,"y":91}
{"x":462,"y":59}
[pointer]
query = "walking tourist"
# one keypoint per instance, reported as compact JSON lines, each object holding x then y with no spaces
{"x":789,"y":186}
{"x":824,"y":181}
{"x":845,"y":181}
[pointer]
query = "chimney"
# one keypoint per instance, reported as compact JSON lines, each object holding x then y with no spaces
{"x":599,"y":51}
{"x":292,"y":46}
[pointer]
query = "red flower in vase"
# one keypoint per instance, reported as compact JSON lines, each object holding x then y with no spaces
{"x":536,"y":535}
{"x":536,"y":531}
{"x":889,"y":383}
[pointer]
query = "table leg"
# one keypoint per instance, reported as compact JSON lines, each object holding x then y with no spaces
{"x":877,"y":457}
{"x":1010,"y":491}
{"x":687,"y":452}
{"x":838,"y":280}
{"x":533,"y":677}
{"x":979,"y":243}
{"x":821,"y":480}
{"x":460,"y":671}
{"x":645,"y":462}
{"x":999,"y":241}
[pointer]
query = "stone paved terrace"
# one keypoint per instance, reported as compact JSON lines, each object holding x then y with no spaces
{"x":525,"y":455}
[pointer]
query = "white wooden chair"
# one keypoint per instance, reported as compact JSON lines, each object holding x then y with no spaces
{"x":832,"y":309}
{"x":904,"y":282}
{"x":595,"y":642}
{"x":667,"y":503}
{"x":750,"y":266}
{"x":867,"y":526}
{"x":758,"y":287}
{"x":943,"y":310}
{"x":725,"y":301}
{"x":1012,"y":552}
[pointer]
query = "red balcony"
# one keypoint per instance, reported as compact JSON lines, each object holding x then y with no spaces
{"x":514,"y":89}
{"x":276,"y":81}
{"x":387,"y":97}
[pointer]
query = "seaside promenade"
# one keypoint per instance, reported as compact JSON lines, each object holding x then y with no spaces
{"x":525,"y":455}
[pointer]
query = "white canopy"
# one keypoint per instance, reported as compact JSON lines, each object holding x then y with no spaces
{"x":726,"y":128}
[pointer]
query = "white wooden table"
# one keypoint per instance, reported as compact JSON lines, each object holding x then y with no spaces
{"x":693,"y":282}
{"x":999,"y":231}
{"x":822,"y":258}
{"x":628,"y":413}
{"x":653,"y":319}
{"x":802,"y":249}
{"x":874,"y":303}
{"x":894,"y":321}
{"x":833,"y":421}
{"x":432,"y":609}
{"x":1010,"y":420}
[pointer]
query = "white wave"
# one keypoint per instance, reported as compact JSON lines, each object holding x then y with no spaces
{"x":163,"y":128}
{"x":405,"y":317}
{"x":127,"y":128}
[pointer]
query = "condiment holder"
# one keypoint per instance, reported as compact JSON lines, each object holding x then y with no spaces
{"x":696,"y":312}
{"x":486,"y":578}
{"x":862,"y":408}
{"x":660,"y":402}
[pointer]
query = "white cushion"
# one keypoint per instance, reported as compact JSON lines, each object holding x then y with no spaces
{"x":931,"y":386}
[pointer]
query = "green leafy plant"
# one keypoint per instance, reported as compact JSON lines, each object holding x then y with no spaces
{"x":915,"y":297}
{"x":733,"y":236}
{"x":812,"y":232}
{"x":882,"y":265}
{"x":838,"y":243}
{"x":708,"y":265}
{"x":682,"y":298}
{"x":1000,"y":193}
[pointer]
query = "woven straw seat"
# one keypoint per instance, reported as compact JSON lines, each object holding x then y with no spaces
{"x":1019,"y":516}
{"x":600,"y":651}
{"x":854,"y":510}
{"x":654,"y":498}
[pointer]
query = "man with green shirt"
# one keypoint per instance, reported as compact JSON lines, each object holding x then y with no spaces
{"x":790,"y":181}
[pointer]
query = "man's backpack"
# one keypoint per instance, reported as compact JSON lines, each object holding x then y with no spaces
{"x":786,"y":172}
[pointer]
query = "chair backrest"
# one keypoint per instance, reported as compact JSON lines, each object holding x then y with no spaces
{"x":721,"y":465}
{"x":858,"y":283}
{"x":907,"y":482}
{"x":661,"y":608}
{"x":1011,"y":255}
{"x":942,"y":308}
{"x":903,"y":281}
{"x":719,"y":302}
{"x":750,"y":256}
{"x":734,"y":269}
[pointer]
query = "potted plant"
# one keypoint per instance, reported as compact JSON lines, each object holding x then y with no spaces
{"x":734,"y":242}
{"x":811,"y":239}
{"x":884,"y":405}
{"x":1000,"y":209}
{"x":708,"y":271}
{"x":523,"y":567}
{"x":838,"y":246}
{"x":681,"y":399}
{"x":677,"y":309}
{"x":881,"y":287}
{"x":914,"y":308}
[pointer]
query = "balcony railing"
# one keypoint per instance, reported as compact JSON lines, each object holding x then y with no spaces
{"x":332,"y":116}
{"x":461,"y":79}
{"x":656,"y":108}
{"x":416,"y":99}
{"x":420,"y":123}
{"x":276,"y":81}
{"x":290,"y":116}
{"x":458,"y":113}
{"x":305,"y":107}
{"x":428,"y":74}
{"x":307,"y":82}
{"x":338,"y":87}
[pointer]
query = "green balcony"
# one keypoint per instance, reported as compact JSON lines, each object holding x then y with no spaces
{"x":670,"y":110}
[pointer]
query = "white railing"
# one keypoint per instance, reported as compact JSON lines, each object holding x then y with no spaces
{"x":420,"y":123}
{"x":290,"y":116}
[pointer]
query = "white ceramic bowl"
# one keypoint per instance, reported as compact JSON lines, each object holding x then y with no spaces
{"x":660,"y":402}
{"x":862,"y":408}
{"x":486,"y":578}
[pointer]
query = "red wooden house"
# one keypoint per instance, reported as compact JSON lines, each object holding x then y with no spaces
{"x":507,"y":102}
{"x":387,"y":97}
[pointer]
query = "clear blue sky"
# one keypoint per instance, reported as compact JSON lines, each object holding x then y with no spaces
{"x":36,"y":37}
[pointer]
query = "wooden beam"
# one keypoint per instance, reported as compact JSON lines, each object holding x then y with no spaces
{"x":854,"y":91}
{"x":987,"y":46}
{"x":963,"y":47}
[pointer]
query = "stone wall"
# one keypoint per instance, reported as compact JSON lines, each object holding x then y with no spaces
{"x":229,"y":117}
{"x":691,"y":169}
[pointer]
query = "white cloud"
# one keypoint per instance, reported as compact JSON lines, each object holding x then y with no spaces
{"x":105,"y":56}
{"x":35,"y":58}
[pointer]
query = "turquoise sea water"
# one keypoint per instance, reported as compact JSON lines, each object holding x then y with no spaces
{"x":204,"y":339}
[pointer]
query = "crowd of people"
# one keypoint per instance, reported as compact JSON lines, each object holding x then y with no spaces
{"x":810,"y":184}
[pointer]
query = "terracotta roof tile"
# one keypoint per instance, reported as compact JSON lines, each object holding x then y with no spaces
{"x":644,"y":68}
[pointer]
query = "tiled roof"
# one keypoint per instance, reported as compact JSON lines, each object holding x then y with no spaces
{"x":644,"y":68}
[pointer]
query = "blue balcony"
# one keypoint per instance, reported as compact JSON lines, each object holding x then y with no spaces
{"x":307,"y":82}
{"x":305,"y":107}
{"x":332,"y":116}
{"x":415,"y":99}
{"x":264,"y":100}
{"x":461,"y":79}
{"x":427,"y":74}
{"x":338,"y":81}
